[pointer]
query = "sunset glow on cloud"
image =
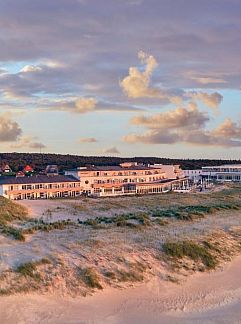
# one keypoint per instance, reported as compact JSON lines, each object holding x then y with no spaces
{"x":132,"y":78}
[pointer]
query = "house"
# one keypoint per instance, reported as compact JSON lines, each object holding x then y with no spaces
{"x":52,"y":170}
{"x":6,"y":169}
{"x":20,"y":174}
{"x":28,"y":169}
{"x":39,"y":186}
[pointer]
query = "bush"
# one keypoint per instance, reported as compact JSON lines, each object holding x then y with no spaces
{"x":16,"y":233}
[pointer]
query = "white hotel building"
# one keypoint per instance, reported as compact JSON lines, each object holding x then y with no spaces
{"x":222,"y":173}
{"x":129,"y":179}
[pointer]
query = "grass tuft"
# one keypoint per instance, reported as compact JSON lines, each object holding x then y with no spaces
{"x":191,"y":250}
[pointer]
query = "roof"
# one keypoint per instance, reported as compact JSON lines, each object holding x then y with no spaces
{"x":116,"y":168}
{"x":223,"y":166}
{"x":37,"y":179}
{"x":28,"y":168}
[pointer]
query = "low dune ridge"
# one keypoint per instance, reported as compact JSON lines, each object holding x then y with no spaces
{"x":64,"y":250}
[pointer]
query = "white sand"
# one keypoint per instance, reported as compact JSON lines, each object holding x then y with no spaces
{"x":204,"y":298}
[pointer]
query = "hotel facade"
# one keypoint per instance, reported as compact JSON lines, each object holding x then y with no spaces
{"x":39,"y":187}
{"x":100,"y":181}
{"x":129,"y":179}
{"x":222,"y":173}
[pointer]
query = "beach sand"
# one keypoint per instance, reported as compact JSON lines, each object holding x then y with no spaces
{"x":213,"y":297}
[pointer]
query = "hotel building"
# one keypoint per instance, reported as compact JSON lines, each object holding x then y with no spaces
{"x":40,"y":186}
{"x":129,"y":179}
{"x":222,"y":173}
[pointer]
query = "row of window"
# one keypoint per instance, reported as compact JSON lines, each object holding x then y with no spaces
{"x":44,"y":186}
{"x":229,"y":177}
{"x":150,"y":179}
{"x":222,"y":170}
{"x":129,"y":173}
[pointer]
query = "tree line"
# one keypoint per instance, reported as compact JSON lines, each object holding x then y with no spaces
{"x":38,"y":161}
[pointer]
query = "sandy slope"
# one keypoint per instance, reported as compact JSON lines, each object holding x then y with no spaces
{"x":204,"y":298}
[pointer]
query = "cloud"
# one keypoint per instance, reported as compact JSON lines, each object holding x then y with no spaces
{"x":69,"y":105}
{"x":153,"y":137}
{"x":185,"y":125}
{"x":209,"y":138}
{"x":208,"y":80}
{"x":228,"y":129}
{"x":30,"y":68}
{"x":37,"y":145}
{"x":9,"y":129}
{"x":189,"y":117}
{"x":111,"y":150}
{"x":137,"y":83}
{"x":88,"y":140}
{"x":211,"y":100}
{"x":84,"y":105}
{"x":29,"y":142}
{"x":199,"y":137}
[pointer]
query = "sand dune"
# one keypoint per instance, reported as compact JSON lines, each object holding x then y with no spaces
{"x":204,"y":298}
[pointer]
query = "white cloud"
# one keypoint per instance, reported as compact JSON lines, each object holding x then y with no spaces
{"x":84,"y":105}
{"x":137,"y":83}
{"x":31,"y":68}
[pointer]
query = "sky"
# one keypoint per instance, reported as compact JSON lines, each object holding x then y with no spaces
{"x":121,"y":77}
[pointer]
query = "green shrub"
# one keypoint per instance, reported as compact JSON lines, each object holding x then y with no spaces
{"x":16,"y":233}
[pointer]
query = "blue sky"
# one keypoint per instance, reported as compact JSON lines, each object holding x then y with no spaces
{"x":121,"y":77}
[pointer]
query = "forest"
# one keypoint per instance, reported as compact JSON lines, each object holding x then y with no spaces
{"x":18,"y":161}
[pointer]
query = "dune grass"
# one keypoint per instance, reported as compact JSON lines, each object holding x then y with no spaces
{"x":10,"y":211}
{"x":30,"y":269}
{"x":90,"y":277}
{"x":192,"y":250}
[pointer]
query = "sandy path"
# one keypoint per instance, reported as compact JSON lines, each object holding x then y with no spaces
{"x":204,"y":298}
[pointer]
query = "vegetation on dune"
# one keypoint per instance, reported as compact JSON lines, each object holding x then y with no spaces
{"x":47,"y":227}
{"x":191,"y":250}
{"x":10,"y":211}
{"x":154,"y":216}
{"x":134,"y":220}
{"x":29,"y":269}
{"x":192,"y":212}
{"x":110,"y":258}
{"x":90,"y":277}
{"x":16,"y":233}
